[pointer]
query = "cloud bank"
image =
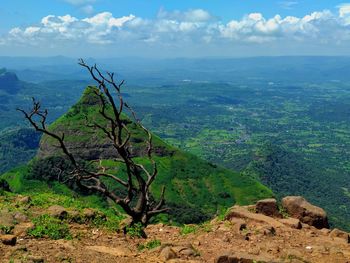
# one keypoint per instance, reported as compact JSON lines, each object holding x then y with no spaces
{"x":190,"y":30}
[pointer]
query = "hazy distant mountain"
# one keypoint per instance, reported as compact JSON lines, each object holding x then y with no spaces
{"x":156,"y":71}
{"x":9,"y":82}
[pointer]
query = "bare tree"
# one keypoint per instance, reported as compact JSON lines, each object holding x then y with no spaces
{"x":137,"y":201}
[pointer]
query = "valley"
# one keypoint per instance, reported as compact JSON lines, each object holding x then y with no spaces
{"x":286,"y":128}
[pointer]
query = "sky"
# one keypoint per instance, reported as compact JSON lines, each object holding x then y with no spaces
{"x":170,"y":28}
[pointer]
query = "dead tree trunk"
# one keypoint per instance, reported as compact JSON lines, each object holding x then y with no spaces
{"x":139,"y":178}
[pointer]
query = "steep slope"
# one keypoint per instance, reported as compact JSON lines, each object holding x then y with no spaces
{"x":195,"y":189}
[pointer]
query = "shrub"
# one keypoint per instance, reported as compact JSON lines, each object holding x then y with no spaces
{"x":135,"y":230}
{"x":47,"y":226}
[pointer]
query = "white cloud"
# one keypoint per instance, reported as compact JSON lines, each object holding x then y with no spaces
{"x":186,"y":29}
{"x":316,"y":26}
{"x":107,"y":19}
{"x":344,"y":10}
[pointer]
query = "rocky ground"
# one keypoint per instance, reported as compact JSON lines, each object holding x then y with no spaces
{"x":259,"y":233}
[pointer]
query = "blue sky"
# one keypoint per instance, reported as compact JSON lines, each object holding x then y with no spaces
{"x":174,"y":28}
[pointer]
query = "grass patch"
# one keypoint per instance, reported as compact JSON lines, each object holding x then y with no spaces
{"x":47,"y":226}
{"x":189,"y":229}
{"x":149,"y":245}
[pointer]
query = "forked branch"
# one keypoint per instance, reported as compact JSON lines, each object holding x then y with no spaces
{"x":114,"y":127}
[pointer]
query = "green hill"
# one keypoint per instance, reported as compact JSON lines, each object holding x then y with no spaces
{"x":195,"y":189}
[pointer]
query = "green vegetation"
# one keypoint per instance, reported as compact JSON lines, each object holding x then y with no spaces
{"x":6,"y":229}
{"x":283,"y":212}
{"x":45,"y":194}
{"x":292,"y":134}
{"x":150,"y":245}
{"x":17,"y":146}
{"x":293,"y":137}
{"x":188,"y":229}
{"x":195,"y":189}
{"x":135,"y":230}
{"x":47,"y":226}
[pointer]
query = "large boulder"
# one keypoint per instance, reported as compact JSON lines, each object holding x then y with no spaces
{"x":267,"y":207}
{"x":298,"y":207}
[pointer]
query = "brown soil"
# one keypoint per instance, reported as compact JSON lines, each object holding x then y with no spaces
{"x":250,"y":238}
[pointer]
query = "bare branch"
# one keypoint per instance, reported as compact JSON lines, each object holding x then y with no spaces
{"x":115,"y":128}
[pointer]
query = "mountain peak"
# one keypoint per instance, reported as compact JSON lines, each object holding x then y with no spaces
{"x":196,"y":189}
{"x":90,"y":97}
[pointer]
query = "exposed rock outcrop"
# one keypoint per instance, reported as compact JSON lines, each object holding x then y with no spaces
{"x":298,"y":207}
{"x":268,"y":207}
{"x":242,"y":212}
{"x":245,"y":236}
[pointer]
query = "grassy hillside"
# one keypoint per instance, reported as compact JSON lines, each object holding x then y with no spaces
{"x":195,"y":189}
